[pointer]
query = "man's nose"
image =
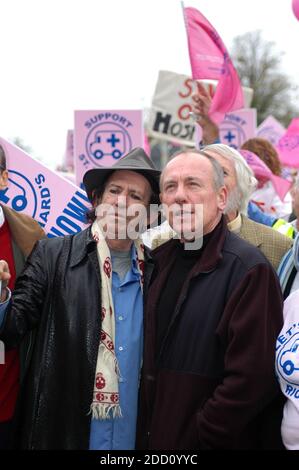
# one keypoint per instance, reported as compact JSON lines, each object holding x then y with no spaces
{"x":122,"y":200}
{"x":180,"y":195}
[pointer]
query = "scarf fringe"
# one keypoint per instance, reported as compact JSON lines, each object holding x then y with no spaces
{"x":108,"y":356}
{"x":105,"y":411}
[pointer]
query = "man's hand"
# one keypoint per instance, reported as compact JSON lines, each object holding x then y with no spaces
{"x":201,"y":106}
{"x":4,"y":278}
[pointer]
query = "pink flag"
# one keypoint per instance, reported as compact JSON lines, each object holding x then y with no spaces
{"x":146,"y":144}
{"x":261,"y":171}
{"x":210,"y":60}
{"x":288,"y":145}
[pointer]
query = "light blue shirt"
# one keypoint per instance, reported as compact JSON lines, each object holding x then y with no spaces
{"x":120,"y":433}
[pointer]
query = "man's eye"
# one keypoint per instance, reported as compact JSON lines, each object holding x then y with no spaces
{"x":135,"y":196}
{"x":113,"y":190}
{"x":225,"y":173}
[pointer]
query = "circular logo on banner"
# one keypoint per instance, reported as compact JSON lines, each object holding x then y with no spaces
{"x":288,"y":142}
{"x":232,"y":135}
{"x":287,"y":361}
{"x":107,"y":140}
{"x":22,"y":193}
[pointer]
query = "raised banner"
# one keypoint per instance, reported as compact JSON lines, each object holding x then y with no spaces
{"x":288,"y":145}
{"x":236,"y":128}
{"x":209,"y":58}
{"x":270,"y":129}
{"x":58,"y":205}
{"x":103,"y":137}
{"x":169,"y":117}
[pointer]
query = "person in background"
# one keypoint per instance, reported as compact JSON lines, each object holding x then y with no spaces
{"x":210,"y":135}
{"x":18,"y":234}
{"x":287,"y":370}
{"x":288,"y":270}
{"x":265,"y":196}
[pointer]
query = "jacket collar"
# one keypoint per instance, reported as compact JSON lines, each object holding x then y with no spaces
{"x":83,"y":243}
{"x":211,"y":253}
{"x":24,"y":230}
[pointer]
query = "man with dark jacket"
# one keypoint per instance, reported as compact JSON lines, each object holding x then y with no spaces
{"x":213,"y":314}
{"x":83,"y":295}
{"x":18,"y":234}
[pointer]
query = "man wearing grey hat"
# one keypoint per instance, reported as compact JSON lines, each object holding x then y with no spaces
{"x":83,"y":294}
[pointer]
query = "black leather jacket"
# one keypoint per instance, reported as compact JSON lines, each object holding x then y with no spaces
{"x":58,"y":295}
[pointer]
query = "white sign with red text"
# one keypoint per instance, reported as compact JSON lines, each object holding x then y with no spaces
{"x":169,"y":117}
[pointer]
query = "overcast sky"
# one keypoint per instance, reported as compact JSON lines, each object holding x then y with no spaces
{"x":62,"y":55}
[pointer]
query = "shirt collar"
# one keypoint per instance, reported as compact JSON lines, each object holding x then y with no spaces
{"x":235,"y":225}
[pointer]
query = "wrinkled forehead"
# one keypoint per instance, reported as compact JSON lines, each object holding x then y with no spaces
{"x":188,"y":165}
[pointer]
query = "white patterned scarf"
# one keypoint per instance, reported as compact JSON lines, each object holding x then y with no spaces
{"x":105,"y":403}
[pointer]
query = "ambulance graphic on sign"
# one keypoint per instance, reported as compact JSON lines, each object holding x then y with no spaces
{"x":108,"y":143}
{"x":107,"y":140}
{"x":231,"y":134}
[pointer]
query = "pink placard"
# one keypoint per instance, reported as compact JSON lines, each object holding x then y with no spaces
{"x":101,"y":138}
{"x":236,"y":128}
{"x":58,"y":205}
{"x":68,"y":161}
{"x":288,"y":145}
{"x":270,"y":129}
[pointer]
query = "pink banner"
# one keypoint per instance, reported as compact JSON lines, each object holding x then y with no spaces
{"x":263,"y":173}
{"x":236,"y":128}
{"x":209,"y":59}
{"x":58,"y":205}
{"x":288,"y":145}
{"x":101,"y":138}
{"x":270,"y":129}
{"x":68,"y":161}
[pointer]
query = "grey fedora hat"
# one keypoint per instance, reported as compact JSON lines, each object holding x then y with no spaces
{"x":136,"y":160}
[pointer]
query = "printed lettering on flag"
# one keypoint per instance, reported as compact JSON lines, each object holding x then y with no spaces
{"x":288,"y":145}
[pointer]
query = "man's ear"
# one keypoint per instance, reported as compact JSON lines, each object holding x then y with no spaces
{"x":222,"y":198}
{"x":3,"y":180}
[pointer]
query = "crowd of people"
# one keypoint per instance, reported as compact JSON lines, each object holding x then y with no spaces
{"x":184,"y":344}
